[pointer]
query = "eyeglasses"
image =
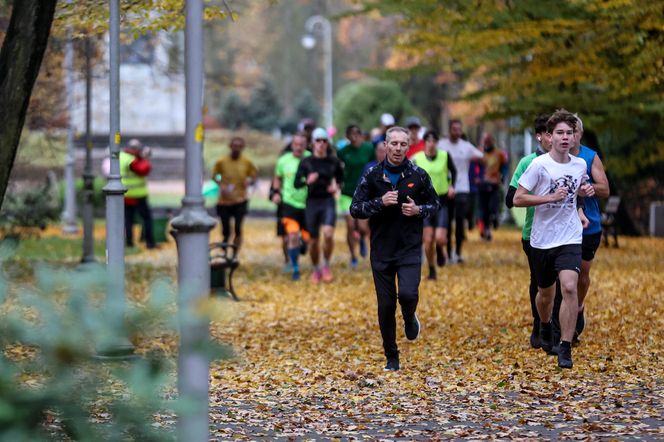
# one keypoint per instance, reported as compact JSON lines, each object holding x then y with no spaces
{"x":318,"y":140}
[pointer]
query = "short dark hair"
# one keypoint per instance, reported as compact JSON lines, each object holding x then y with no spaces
{"x":350,"y":127}
{"x":561,"y":116}
{"x":540,"y":123}
{"x":454,"y":121}
{"x":431,"y":133}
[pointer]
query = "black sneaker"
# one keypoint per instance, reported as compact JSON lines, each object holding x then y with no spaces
{"x":392,"y":364}
{"x":535,"y":337}
{"x":412,"y":328}
{"x":580,"y":323}
{"x":564,"y":356}
{"x":432,"y":273}
{"x":546,"y":339}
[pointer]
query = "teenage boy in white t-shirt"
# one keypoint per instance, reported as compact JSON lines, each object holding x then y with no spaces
{"x":551,"y":184}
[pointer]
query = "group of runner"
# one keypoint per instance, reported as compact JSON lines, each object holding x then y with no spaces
{"x":560,"y":236}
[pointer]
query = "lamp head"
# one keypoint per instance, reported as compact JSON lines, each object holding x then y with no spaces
{"x":308,"y":41}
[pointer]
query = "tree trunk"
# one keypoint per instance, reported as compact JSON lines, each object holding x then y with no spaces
{"x":20,"y":59}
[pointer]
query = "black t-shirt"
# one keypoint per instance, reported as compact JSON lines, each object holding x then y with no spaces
{"x":328,"y":168}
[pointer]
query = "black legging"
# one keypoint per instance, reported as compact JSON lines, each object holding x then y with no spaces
{"x":386,"y":277}
{"x":459,"y":206}
{"x":489,"y":204}
{"x":143,"y":210}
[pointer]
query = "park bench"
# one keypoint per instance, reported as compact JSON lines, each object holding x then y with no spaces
{"x":223,"y":263}
{"x":608,"y":220}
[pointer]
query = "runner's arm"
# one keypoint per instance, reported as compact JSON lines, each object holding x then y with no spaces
{"x":363,"y":206}
{"x":452,"y":168}
{"x":600,"y":181}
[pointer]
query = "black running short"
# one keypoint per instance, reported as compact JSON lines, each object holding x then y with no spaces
{"x":320,"y":212}
{"x":590,"y":245}
{"x":439,"y":219}
{"x":549,"y":262}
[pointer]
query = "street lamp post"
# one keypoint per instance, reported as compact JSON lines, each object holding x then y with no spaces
{"x":88,"y":176}
{"x":69,"y":225}
{"x":118,"y":347}
{"x":192,"y":234}
{"x":309,"y":41}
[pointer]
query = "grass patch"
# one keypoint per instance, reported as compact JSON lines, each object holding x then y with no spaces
{"x":55,"y":248}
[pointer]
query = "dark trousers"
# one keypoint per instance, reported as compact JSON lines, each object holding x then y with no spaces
{"x":532,"y":289}
{"x":458,"y":212}
{"x":489,"y":204}
{"x":144,"y":212}
{"x":235,"y":211}
{"x":408,"y":277}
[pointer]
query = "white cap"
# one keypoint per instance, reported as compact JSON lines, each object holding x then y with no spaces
{"x":387,"y":120}
{"x":319,"y":133}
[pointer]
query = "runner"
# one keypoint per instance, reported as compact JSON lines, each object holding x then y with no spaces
{"x":416,"y":143}
{"x":551,"y":183}
{"x":592,"y":235}
{"x":234,"y":173}
{"x":491,"y":184}
{"x":461,"y":152}
{"x":543,"y":147}
{"x":355,"y":156}
{"x":395,"y":195}
{"x":323,"y":175}
{"x":439,"y":165}
{"x":293,"y":199}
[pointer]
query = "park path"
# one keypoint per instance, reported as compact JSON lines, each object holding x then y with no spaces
{"x":308,"y":362}
{"x":308,"y":359}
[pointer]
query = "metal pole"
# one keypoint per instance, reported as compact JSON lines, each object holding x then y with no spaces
{"x":118,"y":346}
{"x":326,"y":28}
{"x":192,"y":230}
{"x":69,"y":224}
{"x":88,"y":176}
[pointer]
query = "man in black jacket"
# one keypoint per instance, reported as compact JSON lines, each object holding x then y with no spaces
{"x":396,"y":196}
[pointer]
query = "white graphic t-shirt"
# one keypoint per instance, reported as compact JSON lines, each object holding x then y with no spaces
{"x":462,"y":152}
{"x":555,"y":224}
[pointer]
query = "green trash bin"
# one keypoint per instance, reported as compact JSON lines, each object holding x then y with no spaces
{"x":159,"y":225}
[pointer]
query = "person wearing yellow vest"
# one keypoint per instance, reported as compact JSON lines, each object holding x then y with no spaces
{"x":440,"y":167}
{"x":135,"y":166}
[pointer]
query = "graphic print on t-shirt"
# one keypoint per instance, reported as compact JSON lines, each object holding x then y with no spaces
{"x":565,"y":181}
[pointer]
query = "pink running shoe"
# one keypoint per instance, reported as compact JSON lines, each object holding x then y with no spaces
{"x":315,"y":277}
{"x":326,"y":274}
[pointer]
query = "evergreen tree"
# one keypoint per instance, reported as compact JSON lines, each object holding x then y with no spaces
{"x":264,"y":109}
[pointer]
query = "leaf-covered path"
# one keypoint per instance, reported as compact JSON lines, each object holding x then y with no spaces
{"x":309,"y":358}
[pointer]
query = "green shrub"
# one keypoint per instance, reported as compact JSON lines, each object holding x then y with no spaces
{"x":363,"y":102}
{"x":23,"y":212}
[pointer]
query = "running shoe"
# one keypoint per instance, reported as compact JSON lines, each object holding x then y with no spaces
{"x":432,"y":273}
{"x":535,"y":337}
{"x":296,"y":275}
{"x":392,"y":364}
{"x":546,"y":336}
{"x":315,"y":277}
{"x":564,"y":356}
{"x":353,"y":263}
{"x":326,"y":274}
{"x":412,"y":328}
